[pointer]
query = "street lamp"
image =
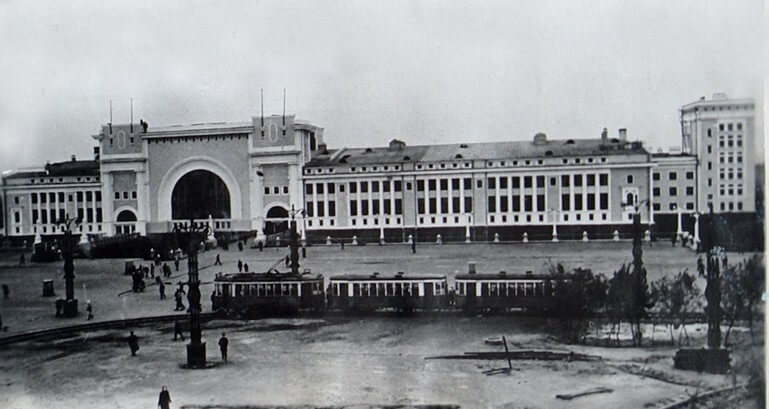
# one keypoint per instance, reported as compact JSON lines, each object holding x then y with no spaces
{"x":196,"y":233}
{"x":69,"y":304}
{"x":293,"y":240}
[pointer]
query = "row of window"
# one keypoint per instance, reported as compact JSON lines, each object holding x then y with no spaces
{"x":674,"y":175}
{"x":125,"y":195}
{"x":61,"y":180}
{"x":53,"y":216}
{"x":396,"y":208}
{"x":53,"y":197}
{"x":673,"y":191}
{"x":455,"y":205}
{"x":504,"y":289}
{"x":673,"y":206}
{"x":275,"y":190}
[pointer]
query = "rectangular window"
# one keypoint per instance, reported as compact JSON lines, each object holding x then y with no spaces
{"x":341,"y":188}
{"x":431,"y":185}
{"x":468,"y":204}
{"x":44,"y":197}
{"x":34,"y":198}
{"x":61,"y":196}
{"x":527,"y":203}
{"x":52,"y":197}
{"x":603,"y":179}
{"x":590,"y":202}
{"x":565,"y":180}
{"x":455,"y":204}
{"x":540,"y":202}
{"x":492,"y":204}
{"x":421,"y":206}
{"x":689,"y":175}
{"x":331,"y":208}
{"x":353,"y":187}
{"x":420,"y":185}
{"x":503,"y":204}
{"x":353,"y":208}
{"x":673,"y":175}
{"x":266,"y":192}
{"x":516,"y":203}
{"x":276,"y":190}
{"x":308,"y":189}
{"x":710,"y":148}
{"x":444,"y":184}
{"x":98,"y":215}
{"x":386,"y":207}
{"x":398,"y":206}
{"x":526,"y":181}
{"x":656,"y":191}
{"x":455,"y":184}
{"x":125,"y":196}
{"x":364,"y":187}
{"x":540,"y":181}
{"x":503,"y":183}
{"x":492,"y":183}
{"x":565,"y":205}
{"x":578,"y":201}
{"x":319,"y":188}
{"x":386,"y":187}
{"x":308,"y":209}
{"x":44,"y":215}
{"x":34,"y":216}
{"x":444,"y":205}
{"x":590,"y":180}
{"x":321,"y":211}
{"x":577,"y":180}
{"x":117,"y":194}
{"x":604,"y":201}
{"x":468,"y":182}
{"x":375,"y":207}
{"x":479,"y":184}
{"x":433,"y":203}
{"x":673,"y":191}
{"x":398,"y":186}
{"x":629,"y":178}
{"x":364,"y":208}
{"x":375,"y":186}
{"x":331,"y":188}
{"x":133,"y":195}
{"x":690,"y":191}
{"x":656,"y":176}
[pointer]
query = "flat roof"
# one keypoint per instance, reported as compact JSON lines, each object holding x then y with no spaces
{"x":267,"y":277}
{"x":394,"y":277}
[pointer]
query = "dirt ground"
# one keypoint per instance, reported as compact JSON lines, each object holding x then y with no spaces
{"x":338,"y":361}
{"x":331,"y":361}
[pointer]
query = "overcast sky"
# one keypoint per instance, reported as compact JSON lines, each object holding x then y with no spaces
{"x":422,"y":71}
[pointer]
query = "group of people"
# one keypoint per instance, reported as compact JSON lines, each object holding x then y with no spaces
{"x":242,"y":266}
{"x":133,"y":341}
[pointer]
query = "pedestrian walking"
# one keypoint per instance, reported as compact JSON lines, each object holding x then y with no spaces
{"x":178,"y":298}
{"x":176,"y":262}
{"x":240,"y":266}
{"x":6,"y":291}
{"x":342,"y":244}
{"x":133,"y":343}
{"x":240,"y":246}
{"x":21,"y":260}
{"x":89,"y":310}
{"x":166,"y":270}
{"x":260,"y":245}
{"x":245,"y":267}
{"x":178,"y":330}
{"x":164,"y":401}
{"x":218,"y":261}
{"x":223,"y":343}
{"x":414,"y":246}
{"x":287,"y":261}
{"x":162,"y":289}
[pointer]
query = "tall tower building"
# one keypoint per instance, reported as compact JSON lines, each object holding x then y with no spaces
{"x":720,"y":132}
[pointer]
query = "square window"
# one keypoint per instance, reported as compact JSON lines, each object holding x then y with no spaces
{"x":629,"y":179}
{"x":655,"y":176}
{"x":285,"y":190}
{"x":276,"y":190}
{"x":133,"y":194}
{"x":266,"y":190}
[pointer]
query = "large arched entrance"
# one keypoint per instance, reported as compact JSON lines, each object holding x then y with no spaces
{"x":125,"y":223}
{"x":198,"y":195}
{"x":276,"y":220}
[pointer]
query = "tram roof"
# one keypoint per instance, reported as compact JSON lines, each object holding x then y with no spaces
{"x":394,"y":277}
{"x":266,"y":277}
{"x":503,"y":277}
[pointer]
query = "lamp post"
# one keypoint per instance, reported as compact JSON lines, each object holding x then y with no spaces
{"x":293,"y":240}
{"x":196,"y":233}
{"x":69,"y":306}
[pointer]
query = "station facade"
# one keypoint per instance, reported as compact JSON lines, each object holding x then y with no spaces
{"x":247,"y":177}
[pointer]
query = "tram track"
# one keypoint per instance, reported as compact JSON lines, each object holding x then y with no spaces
{"x":95,"y":326}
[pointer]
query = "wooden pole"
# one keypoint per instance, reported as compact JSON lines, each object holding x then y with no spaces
{"x":507,"y":353}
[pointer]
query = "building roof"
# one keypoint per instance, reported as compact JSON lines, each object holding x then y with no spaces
{"x":718,"y":99}
{"x":377,"y":277}
{"x":472,"y":151}
{"x":68,"y":168}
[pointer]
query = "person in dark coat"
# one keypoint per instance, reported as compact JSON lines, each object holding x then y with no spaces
{"x":245,"y":267}
{"x":162,"y":290}
{"x":178,"y":330}
{"x":342,"y":244}
{"x":178,"y":298}
{"x":218,"y":261}
{"x":166,"y":270}
{"x":164,"y":401}
{"x":240,"y":266}
{"x":133,"y":343}
{"x":414,"y":246}
{"x":21,"y":260}
{"x":260,"y":245}
{"x":223,"y":343}
{"x":176,"y":263}
{"x":240,"y":246}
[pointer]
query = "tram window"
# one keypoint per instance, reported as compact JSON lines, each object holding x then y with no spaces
{"x":520,"y":289}
{"x":335,"y":289}
{"x":398,"y":289}
{"x":238,"y":290}
{"x":511,"y":289}
{"x":356,"y":289}
{"x":364,"y":290}
{"x":380,"y":289}
{"x":493,"y":289}
{"x":484,"y":288}
{"x":294,"y":289}
{"x":529,"y":289}
{"x":260,"y":290}
{"x":415,"y":289}
{"x":269,"y":290}
{"x":390,"y":289}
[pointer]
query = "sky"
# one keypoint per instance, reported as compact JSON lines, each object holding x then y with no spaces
{"x":369,"y":71}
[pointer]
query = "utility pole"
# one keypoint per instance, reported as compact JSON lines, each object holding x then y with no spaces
{"x":294,"y":242}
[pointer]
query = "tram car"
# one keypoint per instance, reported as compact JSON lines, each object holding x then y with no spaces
{"x":499,"y":292}
{"x":271,"y":293}
{"x":367,"y":293}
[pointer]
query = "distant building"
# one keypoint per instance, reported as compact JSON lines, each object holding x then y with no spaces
{"x":247,"y":177}
{"x":721,"y":133}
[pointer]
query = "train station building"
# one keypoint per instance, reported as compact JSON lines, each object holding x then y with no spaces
{"x":247,"y":177}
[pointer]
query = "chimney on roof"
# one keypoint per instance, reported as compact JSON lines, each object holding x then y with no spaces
{"x":623,"y":135}
{"x":74,"y":158}
{"x":605,"y":137}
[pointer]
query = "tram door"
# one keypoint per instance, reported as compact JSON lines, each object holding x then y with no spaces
{"x":344,"y":301}
{"x":472,"y":301}
{"x":428,"y":299}
{"x":305,"y":300}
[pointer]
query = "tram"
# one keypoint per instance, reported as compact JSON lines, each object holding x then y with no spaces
{"x":269,"y":293}
{"x":499,"y":292}
{"x":367,"y":293}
